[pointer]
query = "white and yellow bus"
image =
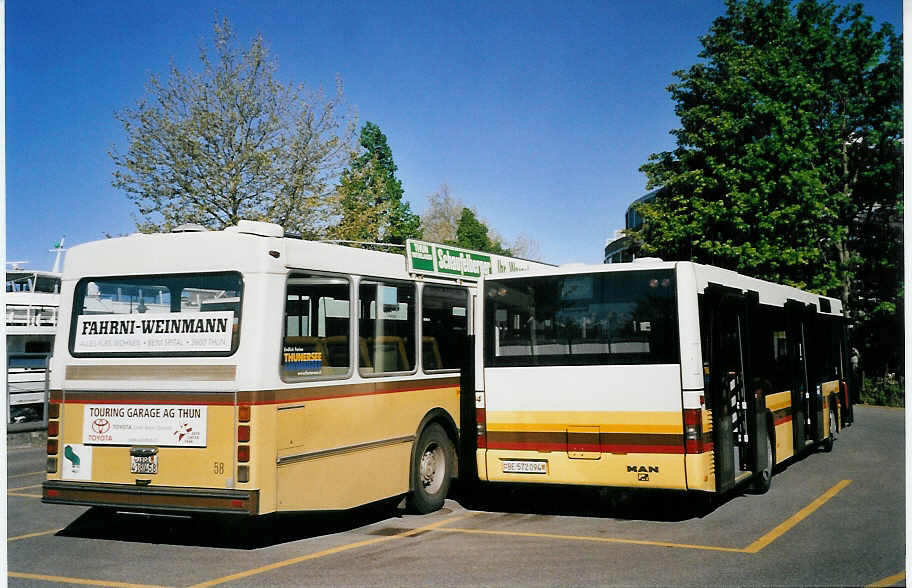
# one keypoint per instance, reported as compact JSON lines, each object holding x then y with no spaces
{"x":653,"y":375}
{"x":243,"y":371}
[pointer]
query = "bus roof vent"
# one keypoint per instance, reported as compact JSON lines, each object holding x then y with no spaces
{"x":648,"y":260}
{"x":260,"y":228}
{"x":189,"y":228}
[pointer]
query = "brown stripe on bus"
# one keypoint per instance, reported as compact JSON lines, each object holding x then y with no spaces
{"x":193,"y":373}
{"x":284,"y":395}
{"x":562,"y":437}
{"x":119,"y":397}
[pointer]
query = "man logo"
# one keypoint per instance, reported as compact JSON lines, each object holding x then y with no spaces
{"x":643,"y":469}
{"x":101,"y":426}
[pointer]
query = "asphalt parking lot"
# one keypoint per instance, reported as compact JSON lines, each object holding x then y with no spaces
{"x":830,"y":519}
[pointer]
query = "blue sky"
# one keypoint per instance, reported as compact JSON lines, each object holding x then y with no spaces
{"x":537,"y":114}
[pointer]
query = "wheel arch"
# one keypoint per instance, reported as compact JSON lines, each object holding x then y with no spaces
{"x":442,"y":417}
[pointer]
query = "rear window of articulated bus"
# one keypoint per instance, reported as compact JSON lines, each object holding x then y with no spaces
{"x":626,"y":318}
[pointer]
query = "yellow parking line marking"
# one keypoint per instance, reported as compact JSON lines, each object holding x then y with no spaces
{"x":796,"y":518}
{"x":24,"y":475}
{"x":24,"y":487}
{"x":584,"y":538}
{"x":38,"y":534}
{"x":84,"y":581}
{"x":325,"y":552}
{"x":752,"y":548}
{"x":23,"y":494}
{"x":889,"y":580}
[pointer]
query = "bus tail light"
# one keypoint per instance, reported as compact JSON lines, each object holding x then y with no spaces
{"x":243,"y":433}
{"x":52,"y":447}
{"x":481,"y":434}
{"x":244,"y":414}
{"x":693,"y":430}
{"x":53,"y":428}
{"x":243,"y":453}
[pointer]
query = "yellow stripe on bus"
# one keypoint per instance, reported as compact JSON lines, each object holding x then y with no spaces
{"x":603,"y":427}
{"x":779,"y":400}
{"x":587,"y":417}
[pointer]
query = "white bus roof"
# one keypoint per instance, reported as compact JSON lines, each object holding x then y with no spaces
{"x":769,"y":292}
{"x":248,"y":247}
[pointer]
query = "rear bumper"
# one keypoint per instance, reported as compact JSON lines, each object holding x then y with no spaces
{"x":151,"y":498}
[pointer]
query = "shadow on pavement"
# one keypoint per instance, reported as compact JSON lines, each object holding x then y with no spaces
{"x":589,"y":501}
{"x":224,"y":531}
{"x":254,"y":533}
{"x":617,"y":503}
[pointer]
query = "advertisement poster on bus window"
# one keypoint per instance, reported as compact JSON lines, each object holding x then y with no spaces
{"x":297,"y":362}
{"x":154,"y":333}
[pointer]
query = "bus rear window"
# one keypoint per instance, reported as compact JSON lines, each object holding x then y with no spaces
{"x":582,"y":319}
{"x":170,"y":315}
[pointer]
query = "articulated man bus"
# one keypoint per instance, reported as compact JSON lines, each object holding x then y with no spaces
{"x":242,"y":371}
{"x":653,"y":375}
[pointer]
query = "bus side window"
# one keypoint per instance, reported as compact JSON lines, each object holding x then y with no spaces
{"x":317,"y":317}
{"x":444,"y":327}
{"x":386,"y":327}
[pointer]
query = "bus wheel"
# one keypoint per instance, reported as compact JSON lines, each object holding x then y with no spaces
{"x":432,"y":470}
{"x":831,"y":440}
{"x":764,"y":477}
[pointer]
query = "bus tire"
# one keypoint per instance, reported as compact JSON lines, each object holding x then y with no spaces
{"x":764,"y":478}
{"x":432,"y":470}
{"x":830,"y":441}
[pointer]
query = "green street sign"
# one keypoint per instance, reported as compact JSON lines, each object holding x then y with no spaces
{"x":453,"y":262}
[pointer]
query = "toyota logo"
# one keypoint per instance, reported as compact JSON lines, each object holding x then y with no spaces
{"x":101,"y":426}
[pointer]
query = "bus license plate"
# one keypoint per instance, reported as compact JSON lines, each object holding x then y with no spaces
{"x":144,"y":464}
{"x":525,"y":467}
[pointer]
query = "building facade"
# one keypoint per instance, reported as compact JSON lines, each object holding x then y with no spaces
{"x":621,"y":249}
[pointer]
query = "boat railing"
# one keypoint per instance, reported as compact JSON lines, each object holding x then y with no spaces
{"x":31,"y":316}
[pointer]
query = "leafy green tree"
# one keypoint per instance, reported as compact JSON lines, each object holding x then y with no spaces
{"x":231,"y":142}
{"x":787,"y":163}
{"x":471,"y":233}
{"x":371,"y":195}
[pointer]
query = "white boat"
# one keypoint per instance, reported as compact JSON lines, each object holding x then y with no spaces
{"x":32,"y":304}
